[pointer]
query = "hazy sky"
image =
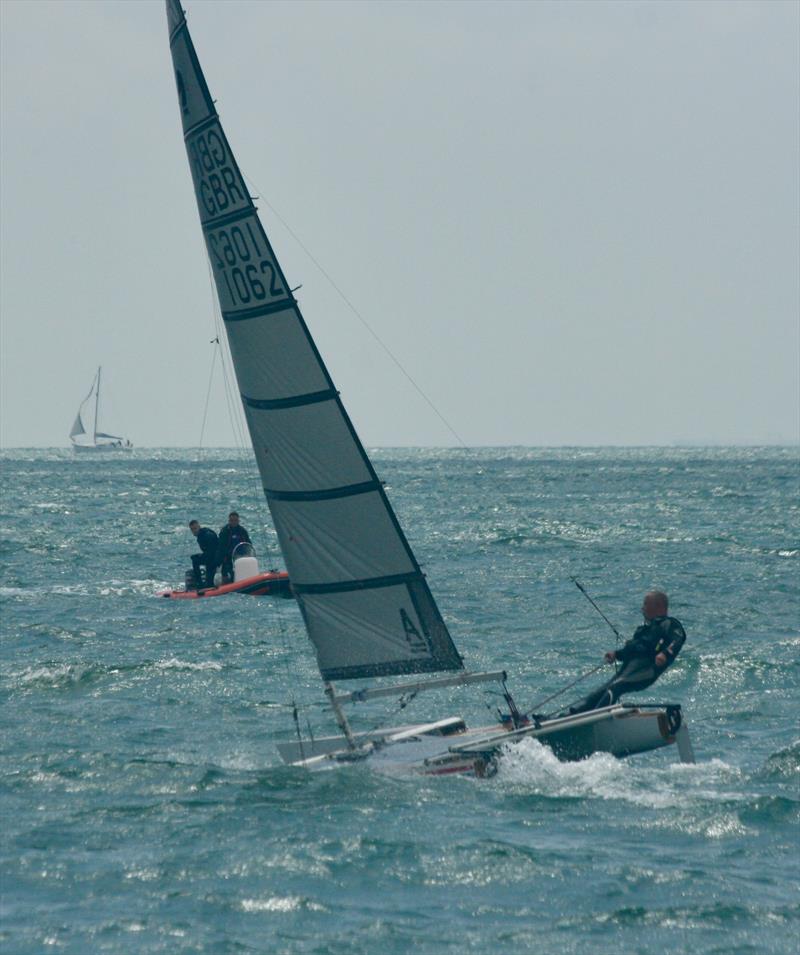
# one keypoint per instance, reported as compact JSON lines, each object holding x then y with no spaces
{"x":571,"y":223}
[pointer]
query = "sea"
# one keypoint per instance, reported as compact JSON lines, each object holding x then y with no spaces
{"x":144,"y":805}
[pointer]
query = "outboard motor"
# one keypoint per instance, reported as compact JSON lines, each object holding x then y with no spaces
{"x":245,"y":562}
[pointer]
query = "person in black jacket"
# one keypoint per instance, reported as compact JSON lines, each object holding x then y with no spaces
{"x":648,"y":654}
{"x":230,"y":536}
{"x":209,"y":545}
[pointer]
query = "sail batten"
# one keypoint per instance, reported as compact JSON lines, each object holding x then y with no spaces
{"x":323,"y":494}
{"x":368,"y":583}
{"x":243,"y":315}
{"x":365,"y":602}
{"x":295,"y":401}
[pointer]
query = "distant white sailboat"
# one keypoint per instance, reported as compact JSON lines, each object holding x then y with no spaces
{"x":365,"y":602}
{"x":94,"y":440}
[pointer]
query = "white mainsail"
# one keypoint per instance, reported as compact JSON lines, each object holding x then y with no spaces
{"x":365,"y":602}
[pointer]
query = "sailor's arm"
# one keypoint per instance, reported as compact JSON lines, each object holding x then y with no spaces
{"x":677,"y":638}
{"x":622,"y":654}
{"x":631,"y":648}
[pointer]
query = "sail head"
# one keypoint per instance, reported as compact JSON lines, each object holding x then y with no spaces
{"x":365,"y":602}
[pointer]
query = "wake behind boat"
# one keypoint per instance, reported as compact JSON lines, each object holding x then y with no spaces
{"x":366,"y":604}
{"x":94,"y":440}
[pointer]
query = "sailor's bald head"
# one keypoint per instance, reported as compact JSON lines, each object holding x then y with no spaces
{"x":655,"y":604}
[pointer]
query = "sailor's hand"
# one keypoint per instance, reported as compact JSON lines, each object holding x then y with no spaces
{"x":661,"y":659}
{"x":610,"y":657}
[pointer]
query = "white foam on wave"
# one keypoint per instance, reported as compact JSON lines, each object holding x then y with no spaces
{"x":142,"y":874}
{"x":64,"y":590}
{"x":240,"y":762}
{"x":175,"y":664}
{"x":123,"y":588}
{"x":277,"y":903}
{"x":55,"y":675}
{"x":102,"y":588}
{"x":534,"y":768}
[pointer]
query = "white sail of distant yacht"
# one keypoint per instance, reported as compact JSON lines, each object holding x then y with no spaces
{"x":365,"y":603}
{"x":94,"y":440}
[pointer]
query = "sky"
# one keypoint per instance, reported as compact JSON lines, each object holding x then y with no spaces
{"x":568,"y":223}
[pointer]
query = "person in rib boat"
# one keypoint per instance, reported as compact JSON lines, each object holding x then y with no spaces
{"x":649,"y":653}
{"x":230,"y":536}
{"x":207,"y":557}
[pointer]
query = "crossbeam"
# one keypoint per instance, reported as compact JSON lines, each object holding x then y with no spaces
{"x":400,"y":689}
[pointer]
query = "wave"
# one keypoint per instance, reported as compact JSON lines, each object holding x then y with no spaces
{"x":72,"y":675}
{"x":531,"y":766}
{"x":281,"y":903}
{"x":59,"y":675}
{"x":783,"y":764}
{"x":711,"y":799}
{"x":175,"y":664}
{"x":101,"y":588}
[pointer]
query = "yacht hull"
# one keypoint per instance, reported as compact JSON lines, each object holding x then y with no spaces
{"x":98,"y":448}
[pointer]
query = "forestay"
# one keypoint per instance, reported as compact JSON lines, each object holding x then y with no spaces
{"x":365,"y":602}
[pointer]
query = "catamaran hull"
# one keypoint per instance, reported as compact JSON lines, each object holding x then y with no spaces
{"x":619,"y":731}
{"x":268,"y":584}
{"x":447,"y":747}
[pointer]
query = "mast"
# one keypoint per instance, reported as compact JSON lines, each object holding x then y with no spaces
{"x":97,"y":402}
{"x":338,"y":712}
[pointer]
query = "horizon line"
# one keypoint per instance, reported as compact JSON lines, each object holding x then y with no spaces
{"x":794,"y":443}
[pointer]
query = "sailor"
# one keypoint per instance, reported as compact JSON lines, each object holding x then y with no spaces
{"x":230,"y":536}
{"x":209,"y":544}
{"x":649,"y":653}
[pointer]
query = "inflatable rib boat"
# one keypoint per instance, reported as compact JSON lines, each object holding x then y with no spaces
{"x":270,"y":583}
{"x":247,"y":579}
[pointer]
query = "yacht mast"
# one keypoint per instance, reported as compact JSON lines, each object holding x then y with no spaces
{"x":97,"y":402}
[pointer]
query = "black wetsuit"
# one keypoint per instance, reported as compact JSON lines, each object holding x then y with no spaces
{"x":638,"y":658}
{"x":229,"y":539}
{"x":209,"y":544}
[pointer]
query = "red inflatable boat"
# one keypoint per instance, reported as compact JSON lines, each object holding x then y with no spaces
{"x":270,"y":583}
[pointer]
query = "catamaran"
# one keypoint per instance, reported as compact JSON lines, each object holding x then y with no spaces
{"x":94,"y":440}
{"x":366,"y":604}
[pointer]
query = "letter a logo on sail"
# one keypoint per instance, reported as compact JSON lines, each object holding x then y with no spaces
{"x":416,"y":642}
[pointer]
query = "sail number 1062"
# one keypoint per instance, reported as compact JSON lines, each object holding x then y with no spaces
{"x":239,"y":263}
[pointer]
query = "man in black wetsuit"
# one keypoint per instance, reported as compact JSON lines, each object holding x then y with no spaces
{"x":230,"y":536}
{"x":649,"y":652}
{"x":209,"y":544}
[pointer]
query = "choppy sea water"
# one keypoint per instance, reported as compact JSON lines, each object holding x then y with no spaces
{"x":144,"y":807}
